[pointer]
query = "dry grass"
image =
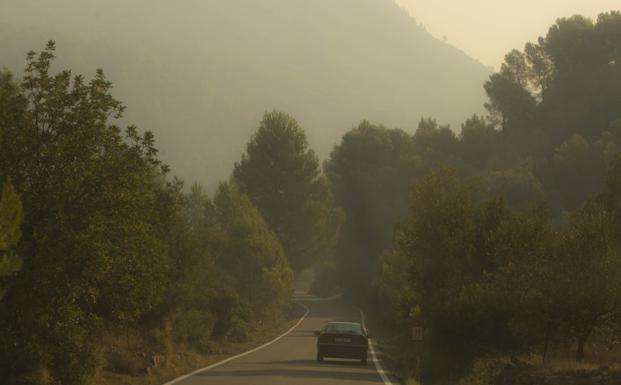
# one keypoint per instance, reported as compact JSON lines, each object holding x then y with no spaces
{"x":598,"y":354}
{"x":132,"y":360}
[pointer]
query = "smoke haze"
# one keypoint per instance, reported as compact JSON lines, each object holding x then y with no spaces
{"x":200,"y":74}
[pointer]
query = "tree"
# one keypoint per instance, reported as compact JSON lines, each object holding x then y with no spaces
{"x":516,"y":68}
{"x":591,"y":261}
{"x":481,"y":147}
{"x":370,"y":171}
{"x":510,"y":104}
{"x":518,"y":186}
{"x":556,"y":101}
{"x":581,"y":96}
{"x":447,"y":243}
{"x":281,"y":176}
{"x":578,"y":172}
{"x":524,"y":251}
{"x":436,"y":145}
{"x":251,"y":254}
{"x":540,"y":68}
{"x":90,"y":237}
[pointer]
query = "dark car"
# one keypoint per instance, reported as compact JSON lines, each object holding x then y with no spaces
{"x":342,"y":340}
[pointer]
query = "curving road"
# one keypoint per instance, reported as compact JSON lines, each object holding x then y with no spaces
{"x":291,"y":359}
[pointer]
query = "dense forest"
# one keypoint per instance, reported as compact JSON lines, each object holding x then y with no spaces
{"x":503,"y":239}
{"x":507,"y":238}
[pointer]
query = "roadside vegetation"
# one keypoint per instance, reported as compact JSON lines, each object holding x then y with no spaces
{"x":504,"y":240}
{"x":109,"y":265}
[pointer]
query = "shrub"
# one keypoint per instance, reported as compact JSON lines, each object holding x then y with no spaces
{"x":195,"y":328}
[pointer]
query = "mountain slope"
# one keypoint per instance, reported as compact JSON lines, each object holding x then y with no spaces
{"x":200,"y":73}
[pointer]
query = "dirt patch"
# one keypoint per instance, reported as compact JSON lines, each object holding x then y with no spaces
{"x":519,"y":373}
{"x":145,"y":368}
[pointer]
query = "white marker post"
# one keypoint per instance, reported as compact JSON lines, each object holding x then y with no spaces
{"x":417,"y":337}
{"x":417,"y":334}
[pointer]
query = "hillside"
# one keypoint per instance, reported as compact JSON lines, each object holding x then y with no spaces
{"x":200,"y":74}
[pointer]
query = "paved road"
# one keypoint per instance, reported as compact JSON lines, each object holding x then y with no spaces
{"x":291,"y":360}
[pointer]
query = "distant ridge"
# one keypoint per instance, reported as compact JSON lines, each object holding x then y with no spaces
{"x":200,"y":73}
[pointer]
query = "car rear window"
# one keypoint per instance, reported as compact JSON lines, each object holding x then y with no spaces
{"x":343,"y":328}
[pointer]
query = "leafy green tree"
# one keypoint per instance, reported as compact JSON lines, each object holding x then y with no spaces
{"x":90,"y":243}
{"x":555,"y":103}
{"x":510,"y":104}
{"x":281,"y":176}
{"x":578,"y":172}
{"x":370,"y":171}
{"x":481,"y":147}
{"x":447,"y":244}
{"x":518,"y":185}
{"x":251,"y":254}
{"x":440,"y":222}
{"x":436,"y":145}
{"x":524,"y":252}
{"x":515,"y":67}
{"x":187,"y":312}
{"x":540,"y":68}
{"x":592,"y":266}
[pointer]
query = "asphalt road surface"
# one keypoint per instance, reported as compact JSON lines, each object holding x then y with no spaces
{"x":291,"y":359}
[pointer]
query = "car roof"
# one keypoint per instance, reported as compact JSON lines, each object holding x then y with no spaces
{"x":344,"y":323}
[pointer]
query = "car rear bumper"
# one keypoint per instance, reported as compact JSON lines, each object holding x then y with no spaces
{"x":342,"y":351}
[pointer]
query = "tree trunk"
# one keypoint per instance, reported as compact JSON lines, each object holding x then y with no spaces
{"x":546,"y":345}
{"x":580,"y":350}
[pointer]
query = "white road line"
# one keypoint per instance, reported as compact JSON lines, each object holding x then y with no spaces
{"x":179,"y":379}
{"x":378,"y":365}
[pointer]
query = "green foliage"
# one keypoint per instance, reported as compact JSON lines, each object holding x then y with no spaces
{"x":370,"y":171}
{"x":510,"y":103}
{"x":481,"y":146}
{"x":518,"y":185}
{"x":108,"y":243}
{"x":484,"y":276}
{"x":251,"y":254}
{"x":89,"y":236}
{"x":592,"y":271}
{"x":550,"y":136}
{"x":194,"y":327}
{"x":483,"y":279}
{"x":281,"y":176}
{"x":555,"y":102}
{"x":447,"y":245}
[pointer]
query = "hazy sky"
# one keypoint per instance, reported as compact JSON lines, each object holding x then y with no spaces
{"x":487,"y":29}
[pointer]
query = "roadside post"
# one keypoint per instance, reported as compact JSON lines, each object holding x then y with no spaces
{"x":417,"y":334}
{"x":417,"y":337}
